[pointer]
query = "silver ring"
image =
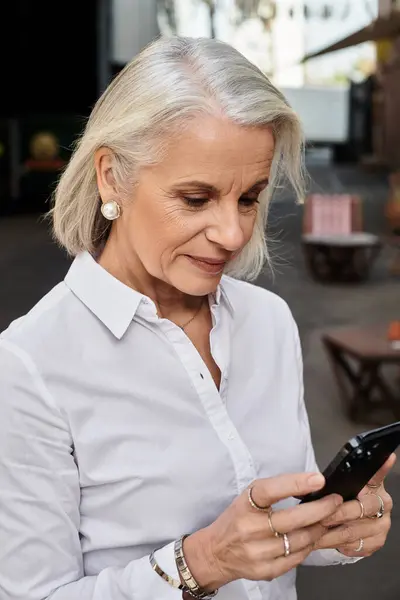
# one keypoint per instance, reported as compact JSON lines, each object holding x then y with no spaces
{"x":360,"y":546}
{"x":272,"y":528}
{"x":362,"y":509}
{"x":254,"y":505}
{"x":286,"y":544}
{"x":381,"y":510}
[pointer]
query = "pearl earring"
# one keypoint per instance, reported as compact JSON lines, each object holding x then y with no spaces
{"x":111,"y":210}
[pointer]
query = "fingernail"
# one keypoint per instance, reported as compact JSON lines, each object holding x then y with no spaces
{"x":316,"y":480}
{"x":338,"y":500}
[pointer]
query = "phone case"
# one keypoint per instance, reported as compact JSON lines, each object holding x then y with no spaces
{"x":357,"y":462}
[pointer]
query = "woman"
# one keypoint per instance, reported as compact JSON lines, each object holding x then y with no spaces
{"x":152,"y":395}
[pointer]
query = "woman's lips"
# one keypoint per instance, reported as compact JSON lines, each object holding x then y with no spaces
{"x":209,"y":265}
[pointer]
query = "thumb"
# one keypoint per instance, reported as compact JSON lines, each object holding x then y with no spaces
{"x":380,"y":475}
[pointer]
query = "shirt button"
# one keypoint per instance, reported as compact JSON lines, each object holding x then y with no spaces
{"x":231,"y":436}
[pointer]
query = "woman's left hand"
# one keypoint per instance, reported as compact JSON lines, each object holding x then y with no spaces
{"x":355,"y":530}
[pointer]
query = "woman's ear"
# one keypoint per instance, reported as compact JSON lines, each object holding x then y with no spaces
{"x":103,"y":160}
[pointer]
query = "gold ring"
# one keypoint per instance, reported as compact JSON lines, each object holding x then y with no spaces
{"x":254,"y":504}
{"x":372,"y":486}
{"x":381,"y":510}
{"x":286,"y":544}
{"x":272,"y":528}
{"x":360,"y":546}
{"x":362,"y":509}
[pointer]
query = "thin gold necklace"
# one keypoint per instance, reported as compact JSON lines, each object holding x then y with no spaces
{"x":183,"y":327}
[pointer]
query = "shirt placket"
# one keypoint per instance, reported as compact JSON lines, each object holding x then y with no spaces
{"x":220,"y":350}
{"x":213,"y":401}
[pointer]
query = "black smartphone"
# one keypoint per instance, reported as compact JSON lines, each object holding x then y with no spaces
{"x":357,"y":462}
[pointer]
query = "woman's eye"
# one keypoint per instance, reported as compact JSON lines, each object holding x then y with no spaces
{"x":195,"y":202}
{"x":198,"y":202}
{"x":248,"y":201}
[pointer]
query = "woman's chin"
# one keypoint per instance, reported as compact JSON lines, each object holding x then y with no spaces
{"x":196,"y":284}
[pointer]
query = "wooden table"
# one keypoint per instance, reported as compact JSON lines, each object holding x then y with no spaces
{"x":357,"y":356}
{"x":340,"y":258}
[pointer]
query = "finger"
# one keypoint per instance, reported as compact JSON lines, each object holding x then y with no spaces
{"x":282,"y":565}
{"x":304,"y":515}
{"x":370,"y":546}
{"x":351,"y":532}
{"x":266,"y":492}
{"x":298,"y":540}
{"x":353,"y":510}
{"x":387,"y":500}
{"x":380,"y":475}
{"x":265,"y":569}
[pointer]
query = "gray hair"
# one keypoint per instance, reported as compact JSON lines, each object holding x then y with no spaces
{"x":168,"y":83}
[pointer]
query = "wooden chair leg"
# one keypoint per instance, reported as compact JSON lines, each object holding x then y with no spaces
{"x":346,"y":378}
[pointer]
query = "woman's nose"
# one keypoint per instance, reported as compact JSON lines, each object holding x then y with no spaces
{"x":226,"y":231}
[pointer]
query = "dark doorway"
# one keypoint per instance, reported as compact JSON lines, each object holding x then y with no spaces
{"x":52,"y":55}
{"x":48,"y":57}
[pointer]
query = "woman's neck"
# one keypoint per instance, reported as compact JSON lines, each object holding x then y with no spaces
{"x":170,"y":302}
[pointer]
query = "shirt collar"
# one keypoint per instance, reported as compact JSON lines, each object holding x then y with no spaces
{"x":110,"y":300}
{"x":113,"y":302}
{"x":221,"y":294}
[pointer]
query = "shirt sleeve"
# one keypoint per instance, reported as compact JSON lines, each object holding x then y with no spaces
{"x":318,"y":558}
{"x":40,"y":551}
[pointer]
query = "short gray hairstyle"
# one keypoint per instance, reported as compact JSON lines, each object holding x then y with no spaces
{"x":168,"y":83}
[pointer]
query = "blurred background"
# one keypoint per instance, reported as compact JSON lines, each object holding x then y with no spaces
{"x":336,"y":256}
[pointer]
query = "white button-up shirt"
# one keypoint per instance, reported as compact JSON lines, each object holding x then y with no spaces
{"x":115,"y":441}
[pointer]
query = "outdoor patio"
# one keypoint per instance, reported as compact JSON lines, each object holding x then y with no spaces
{"x":316,"y":308}
{"x":30,"y":265}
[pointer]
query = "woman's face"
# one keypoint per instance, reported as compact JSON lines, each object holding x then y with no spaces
{"x":193,"y":212}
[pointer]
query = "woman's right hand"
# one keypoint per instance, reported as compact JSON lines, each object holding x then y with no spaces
{"x":240,"y":543}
